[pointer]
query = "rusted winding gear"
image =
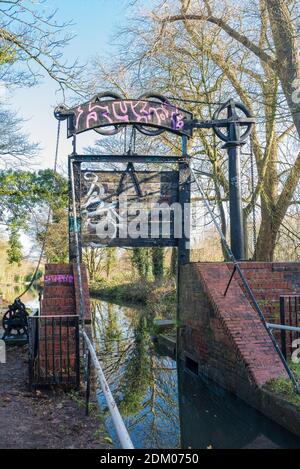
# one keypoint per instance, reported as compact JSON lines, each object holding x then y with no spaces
{"x":14,"y":321}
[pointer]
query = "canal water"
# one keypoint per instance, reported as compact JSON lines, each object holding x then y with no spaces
{"x":163,"y":404}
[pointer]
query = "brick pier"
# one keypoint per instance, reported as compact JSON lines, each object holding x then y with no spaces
{"x":58,"y":359}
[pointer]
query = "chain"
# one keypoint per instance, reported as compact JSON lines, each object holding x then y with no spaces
{"x":48,"y":218}
{"x":132,"y":142}
{"x":253,"y":195}
{"x":125,"y":139}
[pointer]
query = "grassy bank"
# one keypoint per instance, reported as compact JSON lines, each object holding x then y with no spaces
{"x":139,"y":292}
{"x":283,"y":387}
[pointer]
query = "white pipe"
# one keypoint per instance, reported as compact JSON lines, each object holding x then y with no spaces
{"x":283,"y":328}
{"x":121,"y":429}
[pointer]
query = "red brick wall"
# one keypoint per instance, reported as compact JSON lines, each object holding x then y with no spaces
{"x":268,"y":282}
{"x":61,"y":291}
{"x":223,"y":334}
{"x":61,"y":301}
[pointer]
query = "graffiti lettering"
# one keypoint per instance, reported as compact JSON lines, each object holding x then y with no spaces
{"x":59,"y":278}
{"x":119,"y":112}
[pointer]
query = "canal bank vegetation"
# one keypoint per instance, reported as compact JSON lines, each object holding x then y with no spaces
{"x":144,"y":275}
{"x":12,"y":274}
{"x":284,"y":388}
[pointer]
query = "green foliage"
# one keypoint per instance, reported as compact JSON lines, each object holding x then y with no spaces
{"x":174,"y":263}
{"x":161,"y":297}
{"x":23,"y":191}
{"x":136,"y":292}
{"x":141,"y":261}
{"x":7,"y":54}
{"x":56,"y":243}
{"x":157,"y":263}
{"x":137,"y":376}
{"x":14,"y":252}
{"x":29,"y":276}
{"x":283,"y":387}
{"x":111,"y":260}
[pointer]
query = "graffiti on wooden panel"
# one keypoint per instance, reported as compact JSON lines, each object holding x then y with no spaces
{"x":131,"y":208}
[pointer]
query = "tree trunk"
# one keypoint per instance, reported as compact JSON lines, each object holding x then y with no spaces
{"x":287,"y":53}
{"x":267,"y":235}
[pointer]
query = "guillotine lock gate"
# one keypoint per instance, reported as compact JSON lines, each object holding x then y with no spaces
{"x":129,"y":207}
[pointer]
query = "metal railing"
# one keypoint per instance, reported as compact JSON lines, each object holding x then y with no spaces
{"x":289,"y":326}
{"x":119,"y":424}
{"x":54,"y":351}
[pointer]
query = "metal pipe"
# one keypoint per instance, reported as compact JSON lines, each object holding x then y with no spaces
{"x":283,"y":328}
{"x":121,"y":429}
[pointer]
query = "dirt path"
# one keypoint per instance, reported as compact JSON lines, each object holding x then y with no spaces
{"x":42,"y":420}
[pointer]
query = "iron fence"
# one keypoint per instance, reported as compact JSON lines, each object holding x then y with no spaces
{"x":54,"y":351}
{"x":289,"y":316}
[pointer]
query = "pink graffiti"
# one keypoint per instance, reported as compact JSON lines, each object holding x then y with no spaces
{"x":93,"y":113}
{"x":122,"y":109}
{"x":59,"y":278}
{"x":79,"y":112}
{"x":142,"y":112}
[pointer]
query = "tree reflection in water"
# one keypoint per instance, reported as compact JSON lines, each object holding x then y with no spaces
{"x":143,"y":383}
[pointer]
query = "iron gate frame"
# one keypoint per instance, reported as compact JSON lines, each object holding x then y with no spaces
{"x":184,"y":196}
{"x":34,"y":344}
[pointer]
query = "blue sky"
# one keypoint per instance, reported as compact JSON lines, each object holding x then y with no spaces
{"x":96,"y":22}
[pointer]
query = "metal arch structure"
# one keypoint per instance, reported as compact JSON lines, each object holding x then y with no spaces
{"x":108,"y":113}
{"x":152,"y":114}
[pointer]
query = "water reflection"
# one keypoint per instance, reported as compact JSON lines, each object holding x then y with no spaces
{"x":144,"y":384}
{"x":10,"y":292}
{"x":163,"y":408}
{"x":212,"y":417}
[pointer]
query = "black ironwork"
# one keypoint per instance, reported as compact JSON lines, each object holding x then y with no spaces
{"x":108,"y":113}
{"x":152,"y":114}
{"x":234,"y":137}
{"x":289,"y":316}
{"x":230,"y":280}
{"x":53,"y":351}
{"x":143,"y":159}
{"x":14,"y":321}
{"x":131,"y":172}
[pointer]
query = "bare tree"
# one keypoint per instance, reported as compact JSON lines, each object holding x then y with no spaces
{"x":32,"y":43}
{"x":15,"y":146}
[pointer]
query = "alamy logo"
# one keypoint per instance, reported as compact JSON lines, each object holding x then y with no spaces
{"x":2,"y":352}
{"x":296,"y":353}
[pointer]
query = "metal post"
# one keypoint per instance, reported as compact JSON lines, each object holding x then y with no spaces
{"x":184,"y":198}
{"x":72,"y":247}
{"x":74,"y":225}
{"x":235,"y":192}
{"x":282,"y":322}
{"x":88,"y":384}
